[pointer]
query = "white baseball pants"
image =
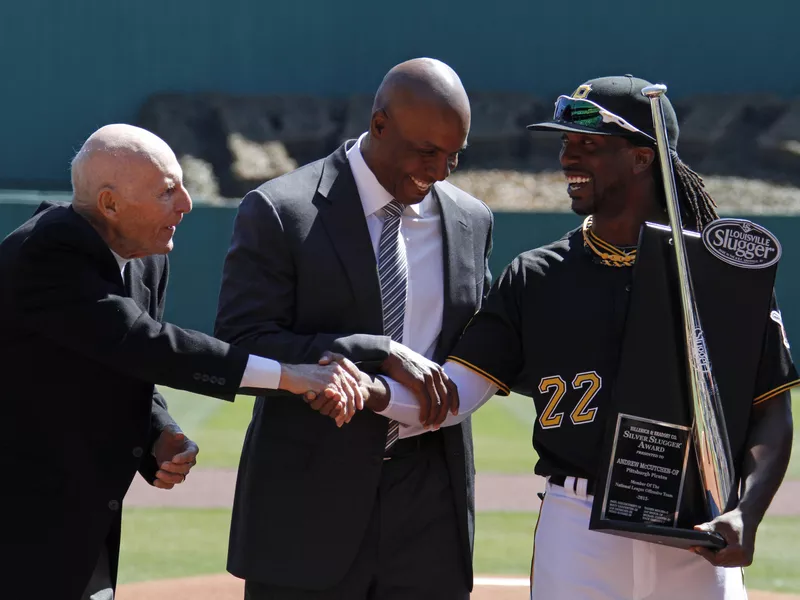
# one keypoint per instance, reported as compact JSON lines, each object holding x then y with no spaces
{"x":570,"y":562}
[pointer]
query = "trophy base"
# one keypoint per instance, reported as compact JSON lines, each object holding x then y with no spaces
{"x":666,"y":536}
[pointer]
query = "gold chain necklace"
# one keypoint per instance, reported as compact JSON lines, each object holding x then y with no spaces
{"x":613,"y":257}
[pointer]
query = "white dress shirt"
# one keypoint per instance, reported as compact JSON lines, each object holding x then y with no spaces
{"x":121,"y":262}
{"x":260,"y":372}
{"x":421,"y":236}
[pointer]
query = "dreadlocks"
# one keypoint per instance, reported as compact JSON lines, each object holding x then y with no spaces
{"x":692,"y":196}
{"x":697,"y":207}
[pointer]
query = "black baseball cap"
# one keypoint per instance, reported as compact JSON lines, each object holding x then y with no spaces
{"x":611,"y":106}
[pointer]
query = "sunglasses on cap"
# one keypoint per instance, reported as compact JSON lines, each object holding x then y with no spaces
{"x":587,"y":114}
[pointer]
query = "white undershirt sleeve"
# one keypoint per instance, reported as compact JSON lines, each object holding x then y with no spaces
{"x":473,"y":392}
{"x":261,"y":372}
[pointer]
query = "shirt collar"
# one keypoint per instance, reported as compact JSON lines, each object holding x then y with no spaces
{"x":373,"y":195}
{"x":120,"y":261}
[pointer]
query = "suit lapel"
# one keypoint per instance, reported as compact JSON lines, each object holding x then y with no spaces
{"x":342,"y":215}
{"x":135,"y":288}
{"x":459,"y":266}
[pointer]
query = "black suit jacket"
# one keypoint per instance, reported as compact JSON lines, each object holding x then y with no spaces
{"x":80,"y":352}
{"x":301,"y":278}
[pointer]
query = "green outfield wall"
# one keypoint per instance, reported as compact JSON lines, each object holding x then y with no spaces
{"x":204,"y":236}
{"x":70,"y":67}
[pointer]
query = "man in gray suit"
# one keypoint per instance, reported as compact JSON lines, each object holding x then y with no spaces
{"x":369,"y":253}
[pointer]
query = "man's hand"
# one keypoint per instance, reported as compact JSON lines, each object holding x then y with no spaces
{"x":428,"y":382}
{"x":175,"y":456}
{"x":740,"y":538}
{"x":333,"y":389}
{"x":374,"y":391}
{"x":767,"y":451}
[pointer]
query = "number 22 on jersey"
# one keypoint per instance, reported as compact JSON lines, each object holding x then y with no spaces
{"x":589,"y":382}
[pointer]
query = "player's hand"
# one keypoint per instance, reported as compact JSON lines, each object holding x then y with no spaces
{"x":428,"y":382}
{"x":175,"y":456}
{"x":740,"y":537}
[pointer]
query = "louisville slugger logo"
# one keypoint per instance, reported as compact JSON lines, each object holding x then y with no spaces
{"x":742,"y":243}
{"x":701,"y":360}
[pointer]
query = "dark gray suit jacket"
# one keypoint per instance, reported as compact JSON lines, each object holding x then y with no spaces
{"x":301,"y":278}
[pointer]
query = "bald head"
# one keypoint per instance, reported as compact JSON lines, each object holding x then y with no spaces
{"x":420,"y":122}
{"x":113,"y":157}
{"x":127,"y":182}
{"x":422,"y":81}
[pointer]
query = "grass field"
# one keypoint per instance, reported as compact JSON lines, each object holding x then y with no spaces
{"x":197,"y":543}
{"x":502,"y":430}
{"x":166,"y":543}
{"x":794,"y":462}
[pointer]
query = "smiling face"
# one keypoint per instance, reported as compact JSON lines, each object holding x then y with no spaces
{"x":600,"y":169}
{"x":413,"y":145}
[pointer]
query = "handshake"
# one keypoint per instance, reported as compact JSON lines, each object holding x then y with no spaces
{"x":338,"y":389}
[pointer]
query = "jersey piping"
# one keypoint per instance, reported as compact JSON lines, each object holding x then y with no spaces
{"x":778,"y":390}
{"x":504,"y":389}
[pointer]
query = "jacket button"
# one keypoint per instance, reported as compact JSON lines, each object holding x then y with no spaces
{"x":113,"y":505}
{"x":628,"y":288}
{"x":137,"y":452}
{"x":213,"y":379}
{"x":221,"y":381}
{"x":197,"y":376}
{"x":205,"y":378}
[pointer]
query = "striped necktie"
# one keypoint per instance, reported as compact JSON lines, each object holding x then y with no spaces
{"x":393,"y":276}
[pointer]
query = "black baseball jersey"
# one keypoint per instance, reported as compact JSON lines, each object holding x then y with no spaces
{"x":552,"y":328}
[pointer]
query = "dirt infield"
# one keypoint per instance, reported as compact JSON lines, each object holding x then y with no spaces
{"x":227,"y":587}
{"x":213,"y":488}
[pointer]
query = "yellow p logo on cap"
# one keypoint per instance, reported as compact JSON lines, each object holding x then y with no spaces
{"x":582,"y":92}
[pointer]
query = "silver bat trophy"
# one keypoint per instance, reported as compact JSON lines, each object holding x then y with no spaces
{"x":709,"y":431}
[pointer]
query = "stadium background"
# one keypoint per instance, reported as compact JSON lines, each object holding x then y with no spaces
{"x":68,"y":68}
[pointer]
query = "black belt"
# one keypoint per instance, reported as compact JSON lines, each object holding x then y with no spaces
{"x":559,"y":480}
{"x":413,"y":445}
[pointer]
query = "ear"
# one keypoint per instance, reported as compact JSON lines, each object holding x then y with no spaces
{"x":377,"y":125}
{"x":108,"y":203}
{"x":643,"y":157}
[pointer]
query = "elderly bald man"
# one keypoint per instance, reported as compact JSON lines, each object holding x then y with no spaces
{"x":371,"y":253}
{"x":82,"y":343}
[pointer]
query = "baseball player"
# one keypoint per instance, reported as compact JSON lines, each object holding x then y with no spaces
{"x":552,"y":329}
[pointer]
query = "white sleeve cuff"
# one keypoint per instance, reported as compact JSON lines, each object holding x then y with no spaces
{"x":473,"y":391}
{"x":403,"y":406}
{"x":260,"y":372}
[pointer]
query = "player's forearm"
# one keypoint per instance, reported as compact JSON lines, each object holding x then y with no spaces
{"x":769,"y":445}
{"x":473,"y":392}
